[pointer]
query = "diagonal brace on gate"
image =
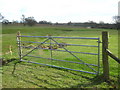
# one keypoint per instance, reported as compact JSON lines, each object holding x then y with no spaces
{"x":73,"y":55}
{"x":36,"y":47}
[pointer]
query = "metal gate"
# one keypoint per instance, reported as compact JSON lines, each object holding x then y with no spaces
{"x":73,"y":53}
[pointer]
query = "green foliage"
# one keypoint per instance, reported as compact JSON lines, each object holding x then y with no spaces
{"x":30,"y":21}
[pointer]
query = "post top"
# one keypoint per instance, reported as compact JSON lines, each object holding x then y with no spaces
{"x":18,"y":33}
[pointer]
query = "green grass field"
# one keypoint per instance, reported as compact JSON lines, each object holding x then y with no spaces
{"x":29,"y":75}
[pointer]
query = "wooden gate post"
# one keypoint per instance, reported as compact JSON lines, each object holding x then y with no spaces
{"x":105,"y":55}
{"x":19,"y":45}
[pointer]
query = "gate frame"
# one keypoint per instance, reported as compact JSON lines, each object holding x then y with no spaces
{"x":51,"y":38}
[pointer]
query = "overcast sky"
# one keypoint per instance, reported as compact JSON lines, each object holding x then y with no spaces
{"x":60,"y":10}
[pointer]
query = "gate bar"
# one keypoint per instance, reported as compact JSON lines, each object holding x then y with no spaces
{"x":99,"y":56}
{"x":63,"y":50}
{"x":51,"y":49}
{"x":61,"y":37}
{"x":58,"y":67}
{"x":61,"y":60}
{"x":60,"y":43}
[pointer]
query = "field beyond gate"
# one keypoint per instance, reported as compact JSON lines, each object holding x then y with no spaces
{"x":61,"y":53}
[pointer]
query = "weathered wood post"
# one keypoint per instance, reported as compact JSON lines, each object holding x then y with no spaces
{"x":105,"y":55}
{"x":19,"y":44}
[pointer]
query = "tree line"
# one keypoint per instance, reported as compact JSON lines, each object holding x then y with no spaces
{"x":30,"y":21}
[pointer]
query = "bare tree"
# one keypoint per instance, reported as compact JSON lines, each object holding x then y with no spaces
{"x":1,"y":17}
{"x":117,"y":21}
{"x":23,"y":19}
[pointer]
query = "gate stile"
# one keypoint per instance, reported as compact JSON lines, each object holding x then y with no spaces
{"x":52,"y":41}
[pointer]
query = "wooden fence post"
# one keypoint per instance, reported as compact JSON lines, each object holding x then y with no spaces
{"x":105,"y":55}
{"x":19,"y":45}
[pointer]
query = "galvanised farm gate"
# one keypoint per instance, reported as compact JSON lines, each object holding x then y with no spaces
{"x":73,"y":53}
